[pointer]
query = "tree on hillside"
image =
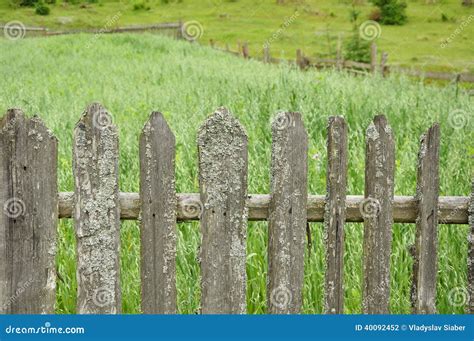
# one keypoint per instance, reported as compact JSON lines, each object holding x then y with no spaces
{"x":392,"y":12}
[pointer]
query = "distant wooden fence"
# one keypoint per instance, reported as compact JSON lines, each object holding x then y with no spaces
{"x":32,"y":206}
{"x":378,"y":64}
{"x":172,"y":29}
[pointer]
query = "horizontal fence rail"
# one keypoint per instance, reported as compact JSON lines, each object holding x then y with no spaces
{"x":452,"y":209}
{"x":32,"y":206}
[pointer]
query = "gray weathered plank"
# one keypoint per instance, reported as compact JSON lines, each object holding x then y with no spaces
{"x":377,"y":212}
{"x":29,"y":216}
{"x":158,"y":217}
{"x":287,"y":214}
{"x":222,"y":144}
{"x":452,"y":210}
{"x":470,"y":260}
{"x":427,"y":193}
{"x":335,"y":214}
{"x":97,"y":212}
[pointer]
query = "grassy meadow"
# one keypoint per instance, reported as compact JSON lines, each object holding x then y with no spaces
{"x":314,"y":29}
{"x":132,"y":75}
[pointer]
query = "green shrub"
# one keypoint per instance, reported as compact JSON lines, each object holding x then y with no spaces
{"x":141,"y":5}
{"x":392,"y":12}
{"x":42,"y":9}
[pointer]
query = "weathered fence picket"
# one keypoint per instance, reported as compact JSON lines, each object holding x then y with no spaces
{"x":287,"y":214}
{"x":158,"y":217}
{"x":335,"y":214}
{"x":222,"y":144}
{"x":427,"y":192}
{"x":97,"y":212}
{"x":378,"y":220}
{"x":32,"y":205}
{"x":29,"y":198}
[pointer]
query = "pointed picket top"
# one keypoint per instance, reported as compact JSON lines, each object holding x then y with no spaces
{"x":220,"y":124}
{"x":96,"y":117}
{"x":14,"y":116}
{"x":158,"y":121}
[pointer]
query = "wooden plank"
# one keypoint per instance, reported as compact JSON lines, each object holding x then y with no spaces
{"x":373,"y":57}
{"x":426,"y":244}
{"x":452,"y":210}
{"x":158,"y":223}
{"x":287,"y":214}
{"x":97,"y":212}
{"x":470,"y":260}
{"x":266,"y":54}
{"x":335,"y":214}
{"x":29,"y":217}
{"x":378,"y":219}
{"x":222,"y":145}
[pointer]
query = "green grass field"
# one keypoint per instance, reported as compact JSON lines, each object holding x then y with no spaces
{"x":418,"y":43}
{"x":132,"y":75}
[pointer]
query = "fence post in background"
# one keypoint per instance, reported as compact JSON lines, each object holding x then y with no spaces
{"x":335,"y":214}
{"x":376,"y":209}
{"x":266,"y":54}
{"x":383,"y":64}
{"x":211,"y":43}
{"x":287,"y":219}
{"x":373,"y":57}
{"x":97,"y":212}
{"x":179,"y":33}
{"x":227,"y":48}
{"x":470,"y":261}
{"x":245,"y":50}
{"x":427,"y":193}
{"x":158,"y":223}
{"x":299,"y":58}
{"x":339,"y":56}
{"x":222,"y":146}
{"x":28,"y":216}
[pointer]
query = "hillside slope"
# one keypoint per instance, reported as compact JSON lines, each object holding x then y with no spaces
{"x":314,"y":28}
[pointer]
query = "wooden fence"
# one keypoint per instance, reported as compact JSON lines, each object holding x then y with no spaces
{"x":32,"y":206}
{"x":171,"y":29}
{"x":378,"y":63}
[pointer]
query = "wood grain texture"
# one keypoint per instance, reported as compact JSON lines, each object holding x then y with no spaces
{"x":29,"y":215}
{"x":222,"y":145}
{"x":378,"y":218}
{"x":335,"y":214}
{"x":158,"y":217}
{"x":287,"y":214}
{"x":426,"y":244}
{"x":97,"y":212}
